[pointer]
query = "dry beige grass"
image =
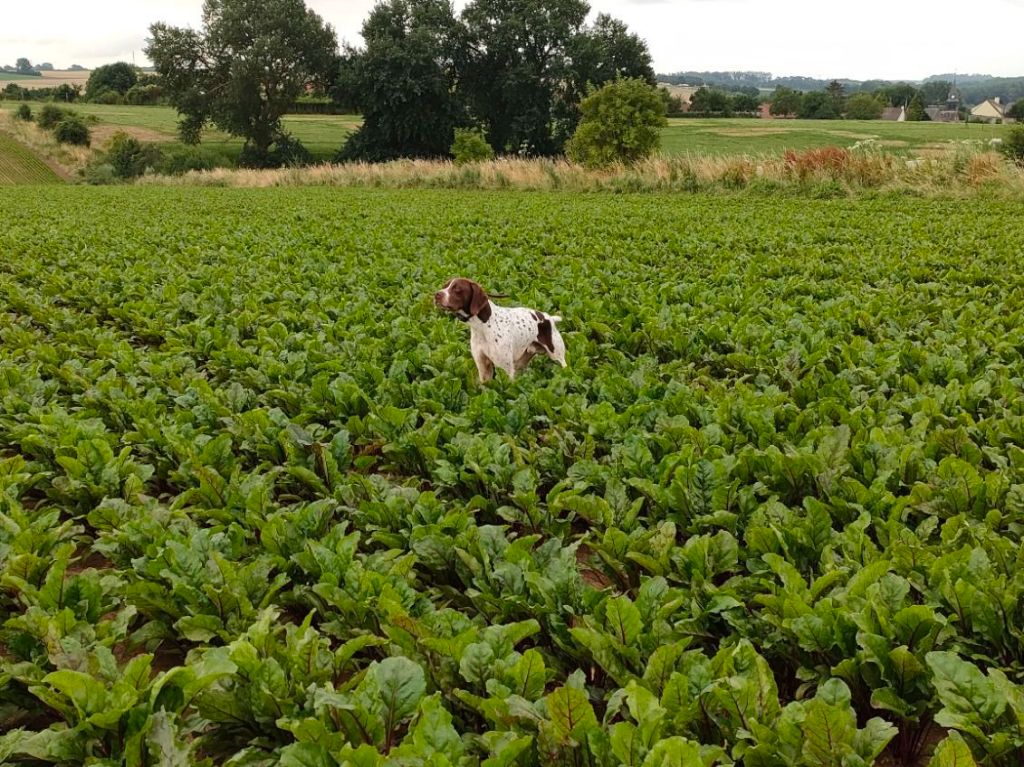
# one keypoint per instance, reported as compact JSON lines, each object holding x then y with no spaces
{"x":961,"y":171}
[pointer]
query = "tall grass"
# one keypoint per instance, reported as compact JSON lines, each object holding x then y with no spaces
{"x":68,"y":159}
{"x":963,"y":169}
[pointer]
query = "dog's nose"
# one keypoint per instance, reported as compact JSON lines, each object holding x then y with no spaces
{"x":437,"y":297}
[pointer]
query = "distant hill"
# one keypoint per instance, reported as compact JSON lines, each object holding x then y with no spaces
{"x":974,"y":88}
{"x":960,"y":78}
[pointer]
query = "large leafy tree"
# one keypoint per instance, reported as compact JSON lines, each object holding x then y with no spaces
{"x":936,"y":91}
{"x":746,"y":102}
{"x":403,"y":81}
{"x":785,"y":101}
{"x":248,"y":65}
{"x":711,"y":101}
{"x":864,"y":106}
{"x":600,"y":53}
{"x":518,"y":69}
{"x":118,"y":77}
{"x":817,"y":105}
{"x":898,"y":94}
{"x":514,"y":63}
{"x":607,"y":50}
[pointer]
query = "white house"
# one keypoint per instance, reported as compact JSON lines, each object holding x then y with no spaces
{"x":990,"y":110}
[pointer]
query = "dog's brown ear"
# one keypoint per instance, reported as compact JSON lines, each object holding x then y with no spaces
{"x":479,"y":303}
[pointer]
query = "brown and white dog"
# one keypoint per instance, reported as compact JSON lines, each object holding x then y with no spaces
{"x":499,"y":336}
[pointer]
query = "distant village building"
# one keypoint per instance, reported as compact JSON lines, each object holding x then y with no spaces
{"x":897,"y":114}
{"x":991,"y":110}
{"x":939,"y":115}
{"x":945,"y":113}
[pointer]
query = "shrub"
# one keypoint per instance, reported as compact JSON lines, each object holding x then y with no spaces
{"x":470,"y":146}
{"x":286,"y":151}
{"x":1013,"y":145}
{"x":23,"y":112}
{"x":49,"y":116}
{"x":72,"y":130}
{"x":15,"y":92}
{"x":99,"y":173}
{"x":66,"y":93}
{"x":128,"y":157}
{"x":620,"y":122}
{"x":107,"y":97}
{"x":144,"y":94}
{"x":178,"y":160}
{"x":289,"y":152}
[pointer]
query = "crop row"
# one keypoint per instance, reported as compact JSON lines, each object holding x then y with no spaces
{"x":19,"y":166}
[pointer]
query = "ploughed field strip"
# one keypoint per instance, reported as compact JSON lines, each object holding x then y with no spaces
{"x":18,"y":165}
{"x":255,"y":505}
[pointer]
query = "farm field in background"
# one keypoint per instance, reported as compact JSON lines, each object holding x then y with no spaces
{"x":755,"y":136}
{"x":49,"y":79}
{"x":254,"y":507}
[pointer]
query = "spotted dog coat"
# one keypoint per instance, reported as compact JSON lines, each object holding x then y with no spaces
{"x":499,"y":336}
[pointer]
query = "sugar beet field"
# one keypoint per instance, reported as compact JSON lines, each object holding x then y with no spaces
{"x":256,"y":510}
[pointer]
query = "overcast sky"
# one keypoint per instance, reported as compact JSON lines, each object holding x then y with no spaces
{"x":859,"y":39}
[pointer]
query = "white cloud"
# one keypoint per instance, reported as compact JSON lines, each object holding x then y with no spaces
{"x":864,"y":39}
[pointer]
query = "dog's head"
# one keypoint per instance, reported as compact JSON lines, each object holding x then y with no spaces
{"x":464,"y":298}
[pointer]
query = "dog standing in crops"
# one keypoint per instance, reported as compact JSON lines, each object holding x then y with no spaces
{"x":500,"y":337}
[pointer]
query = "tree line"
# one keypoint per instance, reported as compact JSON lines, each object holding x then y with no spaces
{"x":833,"y":102}
{"x":973,"y":89}
{"x":117,"y":83}
{"x":515,"y":70}
{"x":25,"y":67}
{"x":715,"y":102}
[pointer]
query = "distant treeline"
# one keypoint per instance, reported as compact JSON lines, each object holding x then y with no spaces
{"x":63,"y":92}
{"x":973,"y":88}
